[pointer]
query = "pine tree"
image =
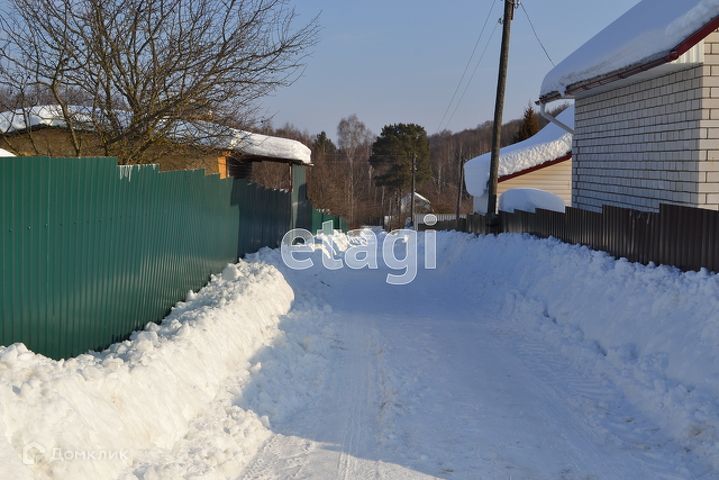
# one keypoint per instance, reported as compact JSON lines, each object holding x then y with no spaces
{"x":392,"y":155}
{"x":529,"y":126}
{"x":323,"y":146}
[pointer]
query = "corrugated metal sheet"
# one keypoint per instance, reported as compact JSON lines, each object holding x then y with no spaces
{"x":684,"y":237}
{"x":91,"y":251}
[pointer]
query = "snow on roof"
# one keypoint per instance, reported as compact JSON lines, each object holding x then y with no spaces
{"x":420,"y":197}
{"x":652,"y":33}
{"x":274,"y":147}
{"x":404,"y":203}
{"x":220,"y":137}
{"x":5,"y":153}
{"x":550,"y":143}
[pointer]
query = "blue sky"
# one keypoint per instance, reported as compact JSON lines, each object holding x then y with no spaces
{"x":400,"y":60}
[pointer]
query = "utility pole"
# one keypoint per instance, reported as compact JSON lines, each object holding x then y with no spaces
{"x":492,"y":220}
{"x":414,"y":189}
{"x":460,"y":185}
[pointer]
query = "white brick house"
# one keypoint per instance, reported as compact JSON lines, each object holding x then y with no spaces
{"x":646,"y":108}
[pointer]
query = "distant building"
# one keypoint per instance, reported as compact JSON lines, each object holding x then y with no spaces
{"x":421,"y":204}
{"x":646,"y":92}
{"x":42,"y":130}
{"x":542,"y":162}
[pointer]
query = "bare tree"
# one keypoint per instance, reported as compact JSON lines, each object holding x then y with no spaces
{"x":146,"y":74}
{"x":355,"y":141}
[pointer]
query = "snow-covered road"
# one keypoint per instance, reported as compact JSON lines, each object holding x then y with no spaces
{"x":424,"y":381}
{"x":515,"y":359}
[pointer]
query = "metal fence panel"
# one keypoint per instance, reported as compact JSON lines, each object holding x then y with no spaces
{"x":684,"y":237}
{"x":91,"y":251}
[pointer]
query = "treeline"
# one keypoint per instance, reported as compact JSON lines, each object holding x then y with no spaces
{"x":363,"y":176}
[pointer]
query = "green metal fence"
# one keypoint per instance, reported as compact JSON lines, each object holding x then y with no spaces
{"x":321,"y":216}
{"x":90,"y":251}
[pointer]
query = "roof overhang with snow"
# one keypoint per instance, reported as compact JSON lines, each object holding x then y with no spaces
{"x":550,"y":146}
{"x":651,"y":34}
{"x":422,"y":200}
{"x":254,"y":146}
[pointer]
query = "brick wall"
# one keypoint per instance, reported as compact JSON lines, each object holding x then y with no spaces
{"x":653,"y":141}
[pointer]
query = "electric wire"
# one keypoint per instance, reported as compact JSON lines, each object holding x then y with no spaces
{"x":536,"y":35}
{"x":474,"y":72}
{"x":466,"y":67}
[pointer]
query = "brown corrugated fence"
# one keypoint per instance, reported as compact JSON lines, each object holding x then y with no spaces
{"x":684,"y":237}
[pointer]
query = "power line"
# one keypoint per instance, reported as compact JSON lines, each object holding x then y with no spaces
{"x":536,"y":35}
{"x":474,"y":72}
{"x":466,"y":67}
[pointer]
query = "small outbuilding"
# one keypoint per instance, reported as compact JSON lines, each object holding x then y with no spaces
{"x":541,"y":162}
{"x":646,"y":94}
{"x":42,"y":130}
{"x":229,"y":152}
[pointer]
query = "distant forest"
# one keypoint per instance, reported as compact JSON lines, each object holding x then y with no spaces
{"x":344,"y":181}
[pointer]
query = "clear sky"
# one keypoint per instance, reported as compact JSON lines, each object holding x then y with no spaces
{"x":400,"y":60}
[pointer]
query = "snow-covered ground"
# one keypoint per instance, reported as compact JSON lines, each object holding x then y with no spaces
{"x":516,"y":358}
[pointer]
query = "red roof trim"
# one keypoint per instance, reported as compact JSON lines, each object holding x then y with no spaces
{"x":695,"y":38}
{"x":564,"y":158}
{"x":626,"y":72}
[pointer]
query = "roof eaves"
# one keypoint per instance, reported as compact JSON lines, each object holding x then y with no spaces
{"x":626,"y":72}
{"x":563,"y":158}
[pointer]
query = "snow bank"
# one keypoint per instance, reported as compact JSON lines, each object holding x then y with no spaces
{"x":550,"y":143}
{"x":213,"y":135}
{"x":647,"y":32}
{"x":530,"y":199}
{"x":106,"y":410}
{"x":653,"y":331}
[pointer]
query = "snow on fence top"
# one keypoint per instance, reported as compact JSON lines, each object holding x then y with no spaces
{"x":5,"y":153}
{"x":550,"y":143}
{"x":213,"y":135}
{"x":652,"y":33}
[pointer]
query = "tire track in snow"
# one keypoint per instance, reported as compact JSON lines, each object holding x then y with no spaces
{"x":344,"y":410}
{"x":596,"y":402}
{"x":361,"y":372}
{"x":281,"y":457}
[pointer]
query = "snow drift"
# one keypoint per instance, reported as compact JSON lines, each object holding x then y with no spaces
{"x":140,"y":394}
{"x":653,"y":331}
{"x":529,"y":200}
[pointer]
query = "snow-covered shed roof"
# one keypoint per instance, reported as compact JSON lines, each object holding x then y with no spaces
{"x":253,"y":144}
{"x":652,"y":33}
{"x":549,"y":144}
{"x":421,"y":199}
